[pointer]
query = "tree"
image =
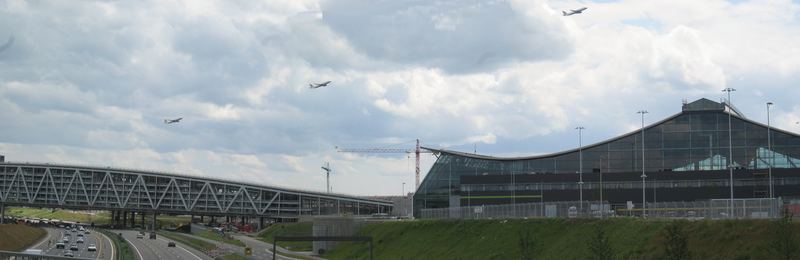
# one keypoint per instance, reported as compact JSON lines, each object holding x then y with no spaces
{"x":527,"y":245}
{"x":784,"y":242}
{"x":676,"y":245}
{"x":599,"y":246}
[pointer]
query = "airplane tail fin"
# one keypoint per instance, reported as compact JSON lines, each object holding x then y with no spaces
{"x":310,"y":85}
{"x":166,"y":121}
{"x":564,"y":12}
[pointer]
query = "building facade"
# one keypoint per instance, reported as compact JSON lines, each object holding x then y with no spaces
{"x":686,"y":158}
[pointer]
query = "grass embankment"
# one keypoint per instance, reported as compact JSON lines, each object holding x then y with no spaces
{"x":217,"y":237}
{"x":17,"y":238}
{"x":121,"y":246}
{"x":97,"y":217}
{"x":558,"y":239}
{"x":289,"y":229}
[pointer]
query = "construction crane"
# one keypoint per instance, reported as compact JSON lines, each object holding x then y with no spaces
{"x":416,"y":151}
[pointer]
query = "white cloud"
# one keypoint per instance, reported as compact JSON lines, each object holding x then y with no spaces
{"x":91,"y":82}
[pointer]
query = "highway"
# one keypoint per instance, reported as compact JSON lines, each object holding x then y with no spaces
{"x":55,"y":235}
{"x":146,"y":249}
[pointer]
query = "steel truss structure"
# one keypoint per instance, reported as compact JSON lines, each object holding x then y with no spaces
{"x":81,"y":187}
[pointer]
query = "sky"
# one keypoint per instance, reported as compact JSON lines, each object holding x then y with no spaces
{"x":90,"y":82}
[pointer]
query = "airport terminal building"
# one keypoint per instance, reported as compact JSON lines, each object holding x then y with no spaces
{"x":686,"y":158}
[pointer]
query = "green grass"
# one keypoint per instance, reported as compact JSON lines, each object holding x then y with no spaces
{"x":121,"y":246}
{"x":288,"y":229}
{"x":102,"y":217}
{"x":99,"y":218}
{"x":232,"y":257}
{"x":217,"y":237}
{"x":556,"y":239}
{"x":15,"y":237}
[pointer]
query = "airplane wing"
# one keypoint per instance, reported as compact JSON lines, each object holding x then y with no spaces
{"x":582,"y":8}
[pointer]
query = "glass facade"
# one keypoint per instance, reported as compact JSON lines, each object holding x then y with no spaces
{"x":695,"y":140}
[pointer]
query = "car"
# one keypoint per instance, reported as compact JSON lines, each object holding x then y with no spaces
{"x":86,"y":232}
{"x":67,"y":234}
{"x":60,"y":245}
{"x":140,"y":235}
{"x":65,"y":240}
{"x":73,"y":248}
{"x":69,"y":254}
{"x":171,"y":244}
{"x":80,"y":240}
{"x":91,"y":248}
{"x":74,"y":230}
{"x":80,"y":234}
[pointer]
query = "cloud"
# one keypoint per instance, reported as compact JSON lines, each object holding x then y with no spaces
{"x":455,"y":36}
{"x":8,"y":44}
{"x":91,"y":82}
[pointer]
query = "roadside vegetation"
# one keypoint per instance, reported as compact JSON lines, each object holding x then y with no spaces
{"x":96,"y":217}
{"x":288,"y":229}
{"x":621,"y":238}
{"x":209,"y":234}
{"x":14,"y":237}
{"x":121,"y":246}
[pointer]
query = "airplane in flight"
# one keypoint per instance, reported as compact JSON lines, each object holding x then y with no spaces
{"x":571,"y":12}
{"x":171,"y":121}
{"x":319,"y":85}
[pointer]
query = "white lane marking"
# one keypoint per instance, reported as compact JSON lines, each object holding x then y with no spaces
{"x":113,"y":253}
{"x":134,"y":247}
{"x":184,"y":249}
{"x":48,"y":237}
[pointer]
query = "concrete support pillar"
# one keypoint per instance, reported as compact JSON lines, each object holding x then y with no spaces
{"x":133,"y":219}
{"x":154,"y":221}
{"x":124,"y":219}
{"x":201,"y":219}
{"x":260,"y":223}
{"x":242,"y":222}
{"x":141,"y":214}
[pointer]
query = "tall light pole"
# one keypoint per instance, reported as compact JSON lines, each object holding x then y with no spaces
{"x":730,"y":148}
{"x":403,"y":191}
{"x":580,"y":165}
{"x":771,"y":155}
{"x":644,"y":192}
{"x":327,"y":169}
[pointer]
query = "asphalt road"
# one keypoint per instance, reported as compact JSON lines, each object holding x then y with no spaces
{"x":146,"y":249}
{"x":55,"y":235}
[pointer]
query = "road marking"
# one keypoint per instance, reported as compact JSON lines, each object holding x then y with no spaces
{"x":113,"y":253}
{"x":46,"y":238}
{"x":134,"y":247}
{"x":184,"y":249}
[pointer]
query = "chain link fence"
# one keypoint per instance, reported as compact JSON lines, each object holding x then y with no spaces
{"x":710,"y":209}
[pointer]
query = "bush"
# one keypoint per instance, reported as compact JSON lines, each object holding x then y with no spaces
{"x":677,"y":246}
{"x":600,"y":247}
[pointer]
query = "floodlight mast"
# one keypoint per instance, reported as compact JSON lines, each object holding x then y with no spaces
{"x":327,"y":169}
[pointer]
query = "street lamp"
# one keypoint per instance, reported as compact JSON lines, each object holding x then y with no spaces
{"x":730,"y":148}
{"x":327,"y":169}
{"x":644,"y":201}
{"x":580,"y":165}
{"x":771,"y":154}
{"x":403,"y":191}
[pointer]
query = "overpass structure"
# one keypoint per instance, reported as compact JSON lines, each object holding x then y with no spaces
{"x":124,"y":191}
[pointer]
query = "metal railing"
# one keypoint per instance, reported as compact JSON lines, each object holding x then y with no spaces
{"x":755,"y":208}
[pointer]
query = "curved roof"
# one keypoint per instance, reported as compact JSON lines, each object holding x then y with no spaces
{"x":734,"y":114}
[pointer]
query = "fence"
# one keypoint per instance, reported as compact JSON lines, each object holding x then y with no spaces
{"x":711,"y":209}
